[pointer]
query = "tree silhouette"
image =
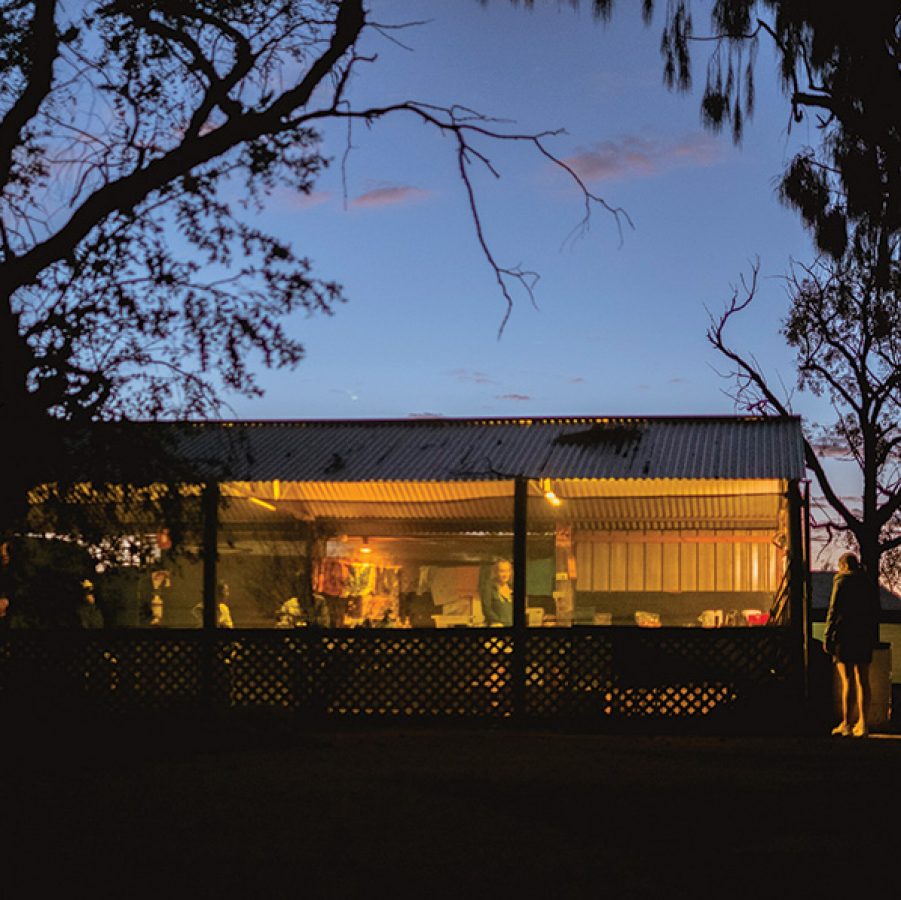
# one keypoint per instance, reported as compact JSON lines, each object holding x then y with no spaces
{"x":125,"y":124}
{"x":838,"y":67}
{"x":842,"y":69}
{"x":844,"y":325}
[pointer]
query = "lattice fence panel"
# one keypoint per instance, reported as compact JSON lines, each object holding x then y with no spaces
{"x":127,"y":671}
{"x":43,"y":667}
{"x":266,"y":670}
{"x":415,"y":674}
{"x":150,"y":672}
{"x":595,"y":674}
{"x":660,"y":673}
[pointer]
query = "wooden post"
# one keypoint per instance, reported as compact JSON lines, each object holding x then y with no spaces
{"x":210,"y":506}
{"x":520,"y":538}
{"x":797,"y":573}
{"x":808,"y":590}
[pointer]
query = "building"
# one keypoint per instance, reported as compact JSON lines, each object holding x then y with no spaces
{"x":554,"y":566}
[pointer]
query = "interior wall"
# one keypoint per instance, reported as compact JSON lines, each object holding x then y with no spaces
{"x":674,"y":609}
{"x":720,"y":560}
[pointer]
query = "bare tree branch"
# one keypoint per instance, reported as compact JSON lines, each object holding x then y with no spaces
{"x":43,"y":43}
{"x":769,"y":401}
{"x":128,"y":191}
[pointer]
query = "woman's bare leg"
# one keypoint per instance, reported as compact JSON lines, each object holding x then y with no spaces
{"x":844,"y":727}
{"x":862,"y":679}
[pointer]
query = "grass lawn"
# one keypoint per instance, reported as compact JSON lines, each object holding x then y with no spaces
{"x":431,"y":812}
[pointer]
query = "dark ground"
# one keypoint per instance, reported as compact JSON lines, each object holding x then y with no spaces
{"x":270,"y":811}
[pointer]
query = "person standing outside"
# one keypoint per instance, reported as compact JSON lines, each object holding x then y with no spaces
{"x":850,"y":637}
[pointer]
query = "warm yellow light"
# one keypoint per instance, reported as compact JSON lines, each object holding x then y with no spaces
{"x":547,"y":489}
{"x":263,"y":503}
{"x":365,"y":548}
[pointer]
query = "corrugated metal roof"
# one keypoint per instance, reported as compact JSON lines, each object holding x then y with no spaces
{"x":725,"y":447}
{"x":683,"y":503}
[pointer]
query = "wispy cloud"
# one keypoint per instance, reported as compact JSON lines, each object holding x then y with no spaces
{"x":513,"y":397}
{"x":284,"y":198}
{"x":637,"y":157}
{"x":425,"y":415}
{"x":314,"y":198}
{"x":389,"y":196}
{"x":831,"y":448}
{"x":345,"y":392}
{"x":471,"y":376}
{"x":577,"y":379}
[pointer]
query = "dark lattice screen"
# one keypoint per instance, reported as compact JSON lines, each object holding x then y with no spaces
{"x":592,"y":674}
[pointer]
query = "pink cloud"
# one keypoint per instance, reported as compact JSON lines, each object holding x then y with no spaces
{"x":285,"y":198}
{"x":831,"y":448}
{"x":637,"y":157}
{"x":314,"y":198}
{"x":472,"y":376}
{"x":389,"y":196}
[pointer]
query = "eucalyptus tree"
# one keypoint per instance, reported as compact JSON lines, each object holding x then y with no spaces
{"x":136,"y":140}
{"x":840,"y":71}
{"x":844,"y":324}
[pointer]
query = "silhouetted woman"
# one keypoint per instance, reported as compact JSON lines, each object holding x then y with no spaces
{"x":850,"y":637}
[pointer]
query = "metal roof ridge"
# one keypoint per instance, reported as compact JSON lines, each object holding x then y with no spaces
{"x":686,"y":418}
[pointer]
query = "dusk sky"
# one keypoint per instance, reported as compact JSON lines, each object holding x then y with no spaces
{"x":619,"y":327}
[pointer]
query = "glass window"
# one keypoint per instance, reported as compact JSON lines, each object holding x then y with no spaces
{"x":367,"y":554}
{"x":108,"y":557}
{"x":655,"y":553}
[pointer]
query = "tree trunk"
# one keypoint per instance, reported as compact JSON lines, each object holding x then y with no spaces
{"x":869,"y":558}
{"x":24,"y":449}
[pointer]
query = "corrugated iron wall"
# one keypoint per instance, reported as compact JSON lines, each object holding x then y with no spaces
{"x":684,"y":560}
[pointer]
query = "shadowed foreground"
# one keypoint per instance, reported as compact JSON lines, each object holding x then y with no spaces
{"x":339,"y":813}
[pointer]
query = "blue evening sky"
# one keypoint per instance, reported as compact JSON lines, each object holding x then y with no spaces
{"x":620,"y":327}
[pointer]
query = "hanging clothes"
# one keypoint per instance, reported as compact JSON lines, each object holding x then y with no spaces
{"x":331,"y":577}
{"x":361,"y":579}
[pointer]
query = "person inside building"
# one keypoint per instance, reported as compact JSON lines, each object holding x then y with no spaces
{"x":5,"y":582}
{"x":152,"y":609}
{"x":850,"y":637}
{"x":497,"y":598}
{"x":88,"y":613}
{"x":289,"y":614}
{"x":223,"y":613}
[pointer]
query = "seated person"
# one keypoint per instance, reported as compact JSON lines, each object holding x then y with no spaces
{"x":293,"y":614}
{"x":223,"y":613}
{"x":289,"y":614}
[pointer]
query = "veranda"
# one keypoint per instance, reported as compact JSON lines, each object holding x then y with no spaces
{"x":659,"y":573}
